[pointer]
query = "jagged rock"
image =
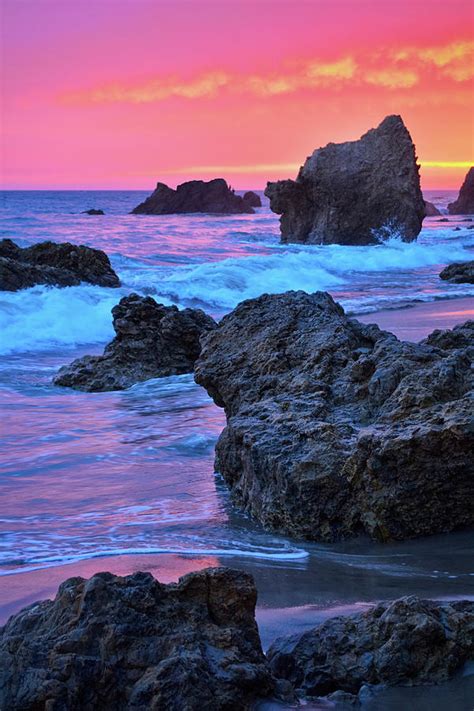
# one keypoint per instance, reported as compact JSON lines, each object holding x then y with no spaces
{"x":459,"y":273}
{"x":252,"y":199}
{"x":122,"y":643}
{"x":92,"y":211}
{"x":214,"y":196}
{"x":357,"y":192}
{"x":464,"y":205}
{"x":431,"y":210}
{"x":152,"y":341}
{"x":336,"y":428}
{"x":61,"y":264}
{"x":402,"y":643}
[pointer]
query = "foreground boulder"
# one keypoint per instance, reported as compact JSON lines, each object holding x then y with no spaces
{"x":358,"y":192}
{"x":252,"y":199}
{"x":459,"y":273}
{"x":114,"y":644}
{"x":55,"y":264}
{"x":431,"y":210}
{"x":152,"y":341}
{"x":336,"y":428}
{"x":214,"y":196}
{"x":402,"y":643}
{"x":464,"y":205}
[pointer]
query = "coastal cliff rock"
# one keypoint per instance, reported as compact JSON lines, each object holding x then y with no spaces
{"x":336,"y":428}
{"x":459,"y":273}
{"x":464,"y":205}
{"x":214,"y":196}
{"x":121,"y":643}
{"x":252,"y":199}
{"x":431,"y":210}
{"x":152,"y":341}
{"x":55,"y":264}
{"x":402,"y":643}
{"x":358,"y":192}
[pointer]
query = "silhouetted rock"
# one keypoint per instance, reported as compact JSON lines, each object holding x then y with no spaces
{"x":357,"y":192}
{"x":61,"y":264}
{"x":431,"y":210}
{"x":336,"y":428}
{"x":464,"y":205}
{"x":459,"y":273}
{"x":252,"y":199}
{"x":214,"y":196}
{"x":402,"y":643}
{"x":93,"y":212}
{"x":443,"y":219}
{"x":131,"y":643}
{"x":152,"y":341}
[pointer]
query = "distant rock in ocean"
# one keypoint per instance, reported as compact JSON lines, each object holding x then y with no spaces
{"x":152,"y":341}
{"x":431,"y":210}
{"x":464,"y":205}
{"x":336,"y":428}
{"x":354,"y":193}
{"x":252,"y":199}
{"x":214,"y":196}
{"x":92,"y":211}
{"x":62,"y":264}
{"x":459,"y":273}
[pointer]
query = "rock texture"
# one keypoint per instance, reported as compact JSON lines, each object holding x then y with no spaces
{"x":252,"y":199}
{"x":464,"y":205}
{"x":62,"y":264}
{"x":431,"y":210}
{"x":114,"y":644}
{"x":214,"y":196}
{"x":92,"y":211}
{"x":357,"y":192}
{"x":152,"y":341}
{"x":401,"y":643}
{"x":459,"y":273}
{"x":336,"y":428}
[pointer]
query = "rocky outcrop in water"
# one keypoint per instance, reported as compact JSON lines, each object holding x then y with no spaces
{"x":252,"y":199}
{"x":117,"y":644}
{"x":402,"y":643}
{"x":459,"y":273}
{"x":152,"y":341}
{"x":54,"y":264}
{"x":336,"y":428}
{"x":93,"y":211}
{"x":431,"y":210}
{"x":464,"y":205}
{"x":214,"y":196}
{"x":357,"y":192}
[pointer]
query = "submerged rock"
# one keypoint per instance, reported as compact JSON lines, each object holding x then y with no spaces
{"x":459,"y":273}
{"x":92,"y":211}
{"x":120,"y":643}
{"x":402,"y":643}
{"x":464,"y":205}
{"x":431,"y":210}
{"x":357,"y":192}
{"x":336,"y":428}
{"x":55,"y":264}
{"x":252,"y":199}
{"x":214,"y":196}
{"x":152,"y":341}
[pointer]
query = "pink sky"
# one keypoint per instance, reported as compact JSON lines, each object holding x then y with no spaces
{"x":122,"y":93}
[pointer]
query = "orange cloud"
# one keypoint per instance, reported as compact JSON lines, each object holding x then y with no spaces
{"x":392,"y":78}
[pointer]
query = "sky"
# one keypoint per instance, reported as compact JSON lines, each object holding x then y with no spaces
{"x":113,"y":94}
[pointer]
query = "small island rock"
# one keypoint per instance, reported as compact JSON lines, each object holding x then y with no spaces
{"x":459,"y":272}
{"x":214,"y":196}
{"x":464,"y":204}
{"x":431,"y":210}
{"x":92,"y":211}
{"x":252,"y":199}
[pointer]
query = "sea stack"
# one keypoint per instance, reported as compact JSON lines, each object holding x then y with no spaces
{"x":431,"y":210}
{"x":464,"y":205}
{"x":214,"y":196}
{"x":252,"y":199}
{"x":354,"y":193}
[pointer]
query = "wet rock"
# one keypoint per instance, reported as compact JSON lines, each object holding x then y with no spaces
{"x":402,"y":643}
{"x":252,"y":199}
{"x":55,"y":264}
{"x":431,"y":210}
{"x":443,"y":219}
{"x":359,"y":192}
{"x":214,"y":196}
{"x":336,"y":428}
{"x":93,"y":212}
{"x":122,"y":643}
{"x":464,"y":205}
{"x":459,"y":273}
{"x":152,"y":341}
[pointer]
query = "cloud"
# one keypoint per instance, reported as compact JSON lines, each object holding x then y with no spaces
{"x":392,"y":78}
{"x":454,"y":60}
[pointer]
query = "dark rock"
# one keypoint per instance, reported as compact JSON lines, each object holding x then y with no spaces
{"x":357,"y":192}
{"x":459,"y":273}
{"x":431,"y":210}
{"x":61,"y":264}
{"x":336,"y":428}
{"x":118,"y":644}
{"x":152,"y":341}
{"x":93,"y":212}
{"x":457,"y":229}
{"x":443,"y":219}
{"x":214,"y":196}
{"x":464,"y":205}
{"x":402,"y":643}
{"x":252,"y":199}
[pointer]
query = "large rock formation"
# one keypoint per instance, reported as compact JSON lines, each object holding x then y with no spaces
{"x":459,"y":273}
{"x":152,"y":341}
{"x":402,"y":643}
{"x":214,"y":196}
{"x":118,"y":644}
{"x":464,"y":205}
{"x":61,"y":264}
{"x":336,"y":428}
{"x":252,"y":199}
{"x":431,"y":210}
{"x":357,"y":192}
